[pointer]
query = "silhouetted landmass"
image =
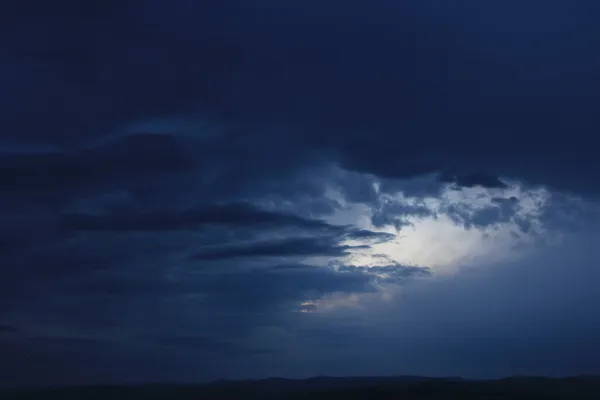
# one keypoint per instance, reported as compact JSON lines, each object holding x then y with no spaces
{"x":337,"y":388}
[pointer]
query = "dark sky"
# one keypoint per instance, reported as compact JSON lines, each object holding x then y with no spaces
{"x":193,"y":190}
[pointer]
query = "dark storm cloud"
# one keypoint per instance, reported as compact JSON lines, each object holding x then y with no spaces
{"x":69,"y":341}
{"x":59,"y":260}
{"x":364,"y":234}
{"x":220,"y":304}
{"x":396,"y":90}
{"x":109,"y":269}
{"x":9,"y":329}
{"x":109,"y":242}
{"x":313,"y":246}
{"x":405,"y":89}
{"x":272,"y":288}
{"x":226,"y":214}
{"x":263,"y":287}
{"x":133,"y":156}
{"x":78,"y":70}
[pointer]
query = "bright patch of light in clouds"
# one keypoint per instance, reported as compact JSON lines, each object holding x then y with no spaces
{"x":449,"y":235}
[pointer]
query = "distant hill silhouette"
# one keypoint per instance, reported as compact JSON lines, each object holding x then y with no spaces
{"x":403,"y":387}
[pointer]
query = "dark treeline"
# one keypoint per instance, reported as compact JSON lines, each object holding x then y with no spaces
{"x":336,"y":388}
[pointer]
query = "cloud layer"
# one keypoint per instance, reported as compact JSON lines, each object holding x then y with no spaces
{"x":219,"y":180}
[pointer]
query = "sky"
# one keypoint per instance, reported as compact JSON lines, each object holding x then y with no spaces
{"x":192,"y":191}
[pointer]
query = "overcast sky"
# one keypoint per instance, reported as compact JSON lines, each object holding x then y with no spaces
{"x":194,"y":190}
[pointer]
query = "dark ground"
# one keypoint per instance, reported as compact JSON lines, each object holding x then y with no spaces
{"x":342,"y":388}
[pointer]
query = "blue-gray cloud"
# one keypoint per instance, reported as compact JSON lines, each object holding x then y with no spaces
{"x":443,"y":102}
{"x":239,"y":214}
{"x":288,"y":247}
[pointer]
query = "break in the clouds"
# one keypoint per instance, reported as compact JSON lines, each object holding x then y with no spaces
{"x":314,"y":185}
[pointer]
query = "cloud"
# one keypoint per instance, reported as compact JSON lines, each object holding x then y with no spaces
{"x":453,"y":226}
{"x":429,"y":97}
{"x":81,"y":84}
{"x":9,"y":329}
{"x":281,"y":286}
{"x":364,"y":234}
{"x":132,"y":156}
{"x":398,"y":213}
{"x":218,"y":214}
{"x":443,"y":103}
{"x":393,"y":273}
{"x":318,"y":246}
{"x":472,"y":180}
{"x":198,"y":168}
